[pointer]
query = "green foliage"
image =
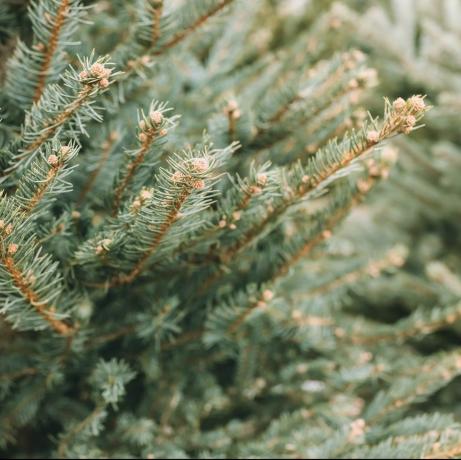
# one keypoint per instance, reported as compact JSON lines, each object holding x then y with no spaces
{"x":206,"y":247}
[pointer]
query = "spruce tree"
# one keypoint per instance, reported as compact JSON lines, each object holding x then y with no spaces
{"x":206,"y":247}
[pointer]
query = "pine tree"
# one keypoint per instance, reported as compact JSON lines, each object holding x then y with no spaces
{"x":200,"y":253}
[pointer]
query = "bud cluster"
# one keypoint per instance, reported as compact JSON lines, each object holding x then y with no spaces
{"x":408,"y":112}
{"x":103,"y":246}
{"x":144,"y":195}
{"x":197,"y":166}
{"x":5,"y":229}
{"x":154,"y":124}
{"x":97,"y":73}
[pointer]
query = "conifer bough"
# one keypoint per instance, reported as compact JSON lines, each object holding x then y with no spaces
{"x":168,"y":221}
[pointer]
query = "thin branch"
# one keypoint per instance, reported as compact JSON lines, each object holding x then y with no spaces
{"x":52,"y":126}
{"x":24,"y":286}
{"x":131,"y":170}
{"x":163,"y":230}
{"x":180,"y":36}
{"x":51,"y":47}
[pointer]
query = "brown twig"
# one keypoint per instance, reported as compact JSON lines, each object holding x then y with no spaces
{"x":157,"y":15}
{"x":130,"y":171}
{"x":163,"y":230}
{"x":43,"y":186}
{"x":50,"y":49}
{"x":33,"y":299}
{"x":52,"y":126}
{"x":180,"y":36}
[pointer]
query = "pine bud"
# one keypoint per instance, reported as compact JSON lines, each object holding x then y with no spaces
{"x":417,"y":103}
{"x":199,"y":184}
{"x":399,"y":104}
{"x":98,"y":70}
{"x":142,"y":124}
{"x":236,"y":215}
{"x":9,"y":229}
{"x":83,"y":75}
{"x":142,"y":137}
{"x":12,"y":249}
{"x":178,"y":176}
{"x":232,"y":226}
{"x":156,"y":117}
{"x":409,"y":124}
{"x":363,"y":186}
{"x":373,"y":136}
{"x":353,"y":84}
{"x":261,"y":179}
{"x":40,"y":47}
{"x":268,"y":295}
{"x":103,"y":246}
{"x":53,"y":160}
{"x":104,"y":83}
{"x":357,"y":429}
{"x":236,"y":114}
{"x":2,"y":224}
{"x":305,"y":179}
{"x":222,"y":223}
{"x":146,"y":194}
{"x":76,"y":215}
{"x":410,"y":120}
{"x":200,"y":165}
{"x":137,"y":204}
{"x":232,"y":105}
{"x":145,"y":60}
{"x":163,"y":132}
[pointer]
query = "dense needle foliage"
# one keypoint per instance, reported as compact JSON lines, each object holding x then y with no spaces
{"x":222,"y":232}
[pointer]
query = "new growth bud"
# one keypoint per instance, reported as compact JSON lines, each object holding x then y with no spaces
{"x":53,"y":160}
{"x":156,"y":117}
{"x":200,"y":165}
{"x":12,"y":249}
{"x":373,"y":136}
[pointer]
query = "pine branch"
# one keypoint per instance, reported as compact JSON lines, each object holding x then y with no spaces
{"x":95,"y":416}
{"x":153,"y":128}
{"x":439,"y":451}
{"x":428,"y":378}
{"x":419,"y":323}
{"x":180,"y":36}
{"x":53,"y":113}
{"x":31,"y":283}
{"x":157,"y":11}
{"x":159,"y":47}
{"x":237,"y":204}
{"x":321,"y":170}
{"x":171,"y":217}
{"x":24,"y":287}
{"x":45,"y":177}
{"x":325,"y":223}
{"x":50,"y":48}
{"x":54,"y":22}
